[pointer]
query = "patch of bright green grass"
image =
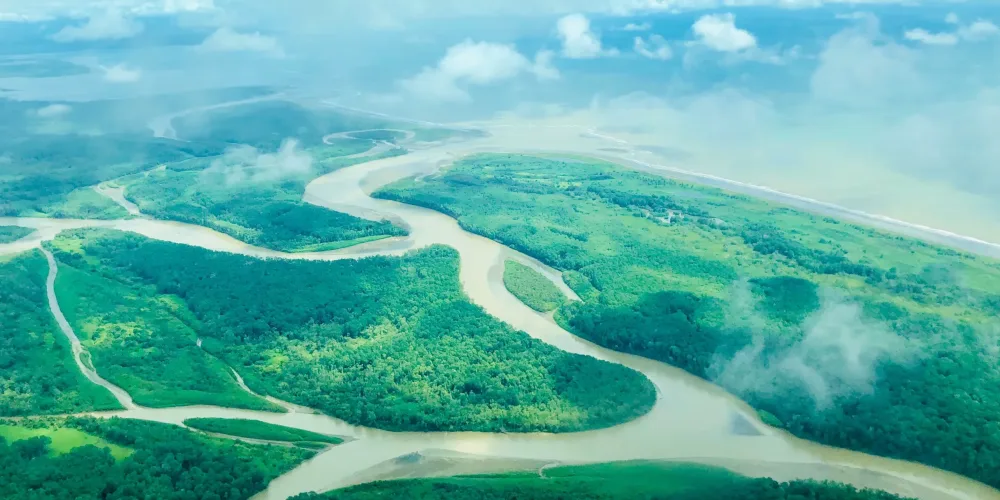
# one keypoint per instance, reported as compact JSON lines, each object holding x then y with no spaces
{"x":255,"y":429}
{"x":64,"y":439}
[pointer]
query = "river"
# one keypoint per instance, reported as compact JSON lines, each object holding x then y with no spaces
{"x":692,"y":419}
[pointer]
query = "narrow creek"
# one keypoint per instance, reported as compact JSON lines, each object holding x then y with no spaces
{"x":692,"y":419}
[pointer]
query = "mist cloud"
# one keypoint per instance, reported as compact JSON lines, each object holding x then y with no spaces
{"x":121,"y":73}
{"x":246,"y":164}
{"x":655,"y":47}
{"x":53,"y":110}
{"x":228,"y":40}
{"x":837,"y":356}
{"x":110,"y":24}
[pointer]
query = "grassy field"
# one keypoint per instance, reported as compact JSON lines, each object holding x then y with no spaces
{"x":62,"y":439}
{"x":531,"y":287}
{"x":255,"y":429}
{"x":360,"y":340}
{"x":10,"y":234}
{"x":842,"y":333}
{"x":37,"y":373}
{"x":621,"y":480}
{"x":144,"y":342}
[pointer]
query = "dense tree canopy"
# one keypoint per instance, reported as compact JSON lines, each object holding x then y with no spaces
{"x":386,"y":342}
{"x":37,"y":371}
{"x":846,"y":335}
{"x":224,"y":196}
{"x":166,"y":463}
{"x":13,"y":233}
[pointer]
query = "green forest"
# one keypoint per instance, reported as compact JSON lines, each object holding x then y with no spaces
{"x":37,"y":373}
{"x":257,"y":204}
{"x":144,"y":342}
{"x":622,"y":480}
{"x":9,"y":234}
{"x":530,"y":287}
{"x":119,"y":459}
{"x":844,"y":334}
{"x":255,"y":429}
{"x":386,"y":342}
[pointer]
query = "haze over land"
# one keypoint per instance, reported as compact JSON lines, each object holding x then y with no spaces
{"x":879,"y":107}
{"x":755,"y":245}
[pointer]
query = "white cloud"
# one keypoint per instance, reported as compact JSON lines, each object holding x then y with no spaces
{"x":655,"y":47}
{"x":579,"y":41}
{"x":227,"y":40}
{"x":928,"y":38}
{"x":476,"y":63}
{"x":719,"y":32}
{"x":121,"y":73}
{"x":246,"y":164}
{"x":110,"y":24}
{"x":979,"y":30}
{"x":53,"y":110}
{"x":637,"y":27}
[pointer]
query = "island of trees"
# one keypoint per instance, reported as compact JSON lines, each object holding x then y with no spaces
{"x":386,"y":342}
{"x":839,"y":333}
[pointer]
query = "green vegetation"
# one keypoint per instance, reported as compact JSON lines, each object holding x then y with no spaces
{"x":392,"y":136}
{"x":40,"y":171}
{"x":9,"y":234}
{"x":82,"y":203}
{"x":622,"y":480}
{"x":843,"y":334}
{"x":118,"y":459}
{"x":257,"y":200}
{"x":385,"y":342}
{"x":266,"y":125}
{"x":255,"y":429}
{"x":37,"y":371}
{"x":531,"y":287}
{"x":61,"y":440}
{"x":144,"y":342}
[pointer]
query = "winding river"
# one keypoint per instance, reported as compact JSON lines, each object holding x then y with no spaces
{"x":692,"y":419}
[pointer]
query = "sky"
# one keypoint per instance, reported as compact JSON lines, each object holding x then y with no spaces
{"x":880,"y":105}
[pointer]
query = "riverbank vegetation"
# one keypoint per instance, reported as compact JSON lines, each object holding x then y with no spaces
{"x":530,"y":287}
{"x":10,"y":234}
{"x":143,"y":342}
{"x":257,"y":197}
{"x":255,"y":429}
{"x":624,"y":480}
{"x":841,"y":333}
{"x":385,"y":342}
{"x":86,"y":458}
{"x":37,"y":373}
